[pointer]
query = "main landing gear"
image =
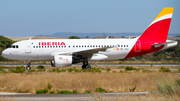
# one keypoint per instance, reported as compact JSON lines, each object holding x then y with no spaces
{"x":86,"y":65}
{"x":28,"y":66}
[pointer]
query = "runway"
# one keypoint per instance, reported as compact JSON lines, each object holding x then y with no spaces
{"x":64,"y":97}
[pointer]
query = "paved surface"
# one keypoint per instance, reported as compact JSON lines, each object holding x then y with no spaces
{"x":63,"y":97}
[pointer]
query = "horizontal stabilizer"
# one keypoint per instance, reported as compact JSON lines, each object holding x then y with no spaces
{"x":165,"y":43}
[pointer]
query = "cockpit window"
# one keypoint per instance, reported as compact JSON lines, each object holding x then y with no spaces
{"x":14,"y":46}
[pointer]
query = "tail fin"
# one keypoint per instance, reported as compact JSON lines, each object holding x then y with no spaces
{"x":154,"y":37}
{"x":158,"y":29}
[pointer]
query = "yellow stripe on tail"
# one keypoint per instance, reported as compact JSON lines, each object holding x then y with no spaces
{"x":165,"y":11}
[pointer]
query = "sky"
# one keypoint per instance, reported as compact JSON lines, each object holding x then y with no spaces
{"x":45,"y":17}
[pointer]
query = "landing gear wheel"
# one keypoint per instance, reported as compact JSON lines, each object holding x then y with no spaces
{"x":28,"y":68}
{"x":88,"y":67}
{"x":85,"y":64}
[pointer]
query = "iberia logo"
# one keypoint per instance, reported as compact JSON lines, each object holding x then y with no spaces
{"x":51,"y":43}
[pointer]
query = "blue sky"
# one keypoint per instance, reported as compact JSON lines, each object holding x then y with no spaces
{"x":33,"y":17}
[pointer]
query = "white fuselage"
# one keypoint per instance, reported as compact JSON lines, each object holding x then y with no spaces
{"x":44,"y":49}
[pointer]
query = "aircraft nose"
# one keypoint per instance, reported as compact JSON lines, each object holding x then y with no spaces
{"x":4,"y":54}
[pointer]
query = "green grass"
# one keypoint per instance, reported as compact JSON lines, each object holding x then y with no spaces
{"x":66,"y":92}
{"x":17,"y":69}
{"x":100,"y":90}
{"x":108,"y":69}
{"x":88,"y":91}
{"x":40,"y":67}
{"x":130,"y":68}
{"x":132,"y":89}
{"x":41,"y":91}
{"x":163,"y":69}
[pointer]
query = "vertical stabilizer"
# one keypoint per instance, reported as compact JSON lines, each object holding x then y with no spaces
{"x":158,"y":29}
{"x":156,"y":33}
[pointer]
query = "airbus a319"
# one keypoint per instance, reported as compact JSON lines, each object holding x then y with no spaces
{"x":65,"y":52}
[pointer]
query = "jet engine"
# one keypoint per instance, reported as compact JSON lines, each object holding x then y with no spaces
{"x":62,"y":61}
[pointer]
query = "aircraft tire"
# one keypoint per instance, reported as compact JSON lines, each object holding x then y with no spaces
{"x":88,"y":66}
{"x":28,"y":68}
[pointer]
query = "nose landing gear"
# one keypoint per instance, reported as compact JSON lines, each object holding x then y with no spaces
{"x":28,"y":66}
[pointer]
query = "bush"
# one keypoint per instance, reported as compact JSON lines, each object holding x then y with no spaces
{"x":17,"y":69}
{"x":132,"y":89}
{"x":74,"y":91}
{"x":63,"y":70}
{"x":53,"y":70}
{"x":40,"y":67}
{"x":130,"y":68}
{"x":41,"y":91}
{"x":2,"y":70}
{"x":121,"y":71}
{"x":97,"y":70}
{"x":114,"y":71}
{"x":162,"y":69}
{"x":52,"y":92}
{"x":100,"y":90}
{"x":179,"y":70}
{"x":70,"y":69}
{"x":88,"y":91}
{"x":49,"y":86}
{"x":108,"y":69}
{"x":66,"y":92}
{"x":77,"y":70}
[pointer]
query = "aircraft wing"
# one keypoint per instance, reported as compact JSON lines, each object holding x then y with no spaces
{"x":83,"y":53}
{"x":89,"y":52}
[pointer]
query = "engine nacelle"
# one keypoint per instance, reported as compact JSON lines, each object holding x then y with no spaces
{"x":62,"y":61}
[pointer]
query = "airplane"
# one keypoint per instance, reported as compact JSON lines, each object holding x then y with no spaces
{"x":65,"y":52}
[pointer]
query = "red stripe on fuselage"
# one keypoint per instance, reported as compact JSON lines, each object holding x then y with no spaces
{"x":156,"y":33}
